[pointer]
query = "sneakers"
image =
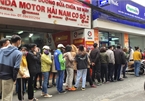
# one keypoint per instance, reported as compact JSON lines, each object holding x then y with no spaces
{"x":93,"y":86}
{"x":99,"y":84}
{"x":47,"y":95}
{"x":82,"y":89}
{"x":63,"y":92}
{"x":34,"y":99}
{"x":72,"y":89}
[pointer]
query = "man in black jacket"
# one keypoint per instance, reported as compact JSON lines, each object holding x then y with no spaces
{"x":32,"y":60}
{"x":119,"y":61}
{"x":95,"y":62}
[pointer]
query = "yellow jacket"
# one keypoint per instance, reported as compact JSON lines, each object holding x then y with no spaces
{"x":45,"y":63}
{"x":137,"y":56}
{"x":23,"y":66}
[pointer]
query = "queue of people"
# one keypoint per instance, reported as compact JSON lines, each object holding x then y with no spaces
{"x":24,"y":65}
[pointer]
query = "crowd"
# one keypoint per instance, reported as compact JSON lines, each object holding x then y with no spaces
{"x":23,"y":66}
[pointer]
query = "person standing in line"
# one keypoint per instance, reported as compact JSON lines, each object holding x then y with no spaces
{"x":111,"y":57}
{"x":54,"y":72}
{"x":46,"y":63}
{"x":82,"y":65}
{"x":125,"y":66}
{"x":4,"y":43}
{"x":32,"y":60}
{"x":39,"y":73}
{"x":104,"y":64}
{"x":137,"y":58}
{"x":60,"y":67}
{"x":131,"y":52}
{"x":119,"y":61}
{"x":23,"y":74}
{"x":69,"y":68}
{"x":10,"y":59}
{"x":95,"y":62}
{"x":89,"y":71}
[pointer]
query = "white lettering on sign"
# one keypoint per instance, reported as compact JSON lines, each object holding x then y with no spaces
{"x":47,"y":11}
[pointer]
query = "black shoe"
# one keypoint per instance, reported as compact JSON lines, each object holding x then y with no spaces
{"x":124,"y":76}
{"x":120,"y":79}
{"x":63,"y":92}
{"x":54,"y":84}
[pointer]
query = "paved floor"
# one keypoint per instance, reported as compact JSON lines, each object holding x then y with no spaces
{"x":131,"y":89}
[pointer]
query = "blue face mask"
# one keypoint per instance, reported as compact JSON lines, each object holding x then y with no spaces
{"x":46,"y":52}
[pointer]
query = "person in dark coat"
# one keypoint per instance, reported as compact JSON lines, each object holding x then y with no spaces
{"x":32,"y":60}
{"x":95,"y":62}
{"x":39,"y":73}
{"x":119,"y":61}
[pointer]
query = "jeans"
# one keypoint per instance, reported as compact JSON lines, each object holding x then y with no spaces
{"x":117,"y":71}
{"x":110,"y":71}
{"x":21,"y":82}
{"x":137,"y":67}
{"x":59,"y":81}
{"x":81,"y":74}
{"x":70,"y":75}
{"x":45,"y":81}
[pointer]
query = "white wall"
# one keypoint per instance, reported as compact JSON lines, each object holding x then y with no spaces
{"x":113,"y":26}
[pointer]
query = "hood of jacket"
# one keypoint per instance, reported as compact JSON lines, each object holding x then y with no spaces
{"x":7,"y":51}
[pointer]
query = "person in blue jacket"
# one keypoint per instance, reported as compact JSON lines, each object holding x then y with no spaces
{"x":60,"y":67}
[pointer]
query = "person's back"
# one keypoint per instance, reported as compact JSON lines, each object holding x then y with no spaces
{"x":118,"y":56}
{"x":104,"y":58}
{"x":9,"y":58}
{"x":94,"y":55}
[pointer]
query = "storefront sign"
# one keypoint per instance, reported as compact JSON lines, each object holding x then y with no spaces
{"x":128,"y":8}
{"x":47,"y":11}
{"x":89,"y":34}
{"x":78,"y":34}
{"x":62,"y":38}
{"x":103,"y":3}
{"x":89,"y":44}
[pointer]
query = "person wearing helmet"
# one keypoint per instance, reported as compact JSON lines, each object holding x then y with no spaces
{"x":45,"y":68}
{"x":60,"y":67}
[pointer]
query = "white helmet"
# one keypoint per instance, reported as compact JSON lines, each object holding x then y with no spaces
{"x":60,"y":46}
{"x":46,"y":47}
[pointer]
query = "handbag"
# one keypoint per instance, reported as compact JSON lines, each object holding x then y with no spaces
{"x":24,"y":71}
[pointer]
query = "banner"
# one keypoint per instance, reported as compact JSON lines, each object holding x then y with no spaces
{"x":47,"y":11}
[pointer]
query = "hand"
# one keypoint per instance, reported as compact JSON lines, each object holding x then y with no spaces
{"x":34,"y":53}
{"x":24,"y":76}
{"x":93,"y":63}
{"x":14,"y":82}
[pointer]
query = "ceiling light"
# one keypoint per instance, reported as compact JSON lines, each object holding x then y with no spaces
{"x":20,"y":32}
{"x":30,"y":35}
{"x":8,"y":36}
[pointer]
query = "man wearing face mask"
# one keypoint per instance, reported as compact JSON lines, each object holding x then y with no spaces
{"x":10,"y":59}
{"x":32,"y":60}
{"x":45,"y":69}
{"x":60,"y":67}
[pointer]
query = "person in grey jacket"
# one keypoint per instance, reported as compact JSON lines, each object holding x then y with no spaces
{"x":111,"y":63}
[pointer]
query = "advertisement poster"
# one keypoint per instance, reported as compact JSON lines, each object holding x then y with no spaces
{"x":126,"y":42}
{"x":47,"y":11}
{"x":62,"y":38}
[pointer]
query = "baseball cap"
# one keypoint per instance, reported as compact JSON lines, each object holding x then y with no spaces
{"x":60,"y":46}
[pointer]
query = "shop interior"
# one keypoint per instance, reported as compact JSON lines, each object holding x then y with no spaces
{"x":28,"y":35}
